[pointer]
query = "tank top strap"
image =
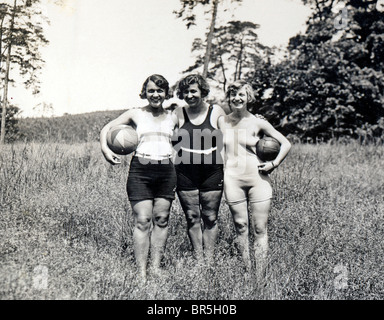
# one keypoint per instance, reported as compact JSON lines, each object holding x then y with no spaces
{"x":186,"y":118}
{"x":206,"y":122}
{"x":208,"y":118}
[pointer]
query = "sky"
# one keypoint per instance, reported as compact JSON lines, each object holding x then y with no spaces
{"x":101,"y":52}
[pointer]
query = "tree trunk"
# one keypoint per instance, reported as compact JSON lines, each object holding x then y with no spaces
{"x":238,"y":66}
{"x":241,"y":61}
{"x":207,"y":57}
{"x":6,"y":80}
{"x":223,"y":70}
{"x":1,"y":60}
{"x":1,"y":39}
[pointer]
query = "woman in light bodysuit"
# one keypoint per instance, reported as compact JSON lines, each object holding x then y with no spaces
{"x":151,"y":181}
{"x":247,"y":184}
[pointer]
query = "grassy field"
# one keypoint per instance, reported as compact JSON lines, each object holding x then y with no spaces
{"x":66,"y":230}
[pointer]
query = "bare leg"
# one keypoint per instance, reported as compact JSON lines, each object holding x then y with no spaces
{"x":240,"y":218}
{"x":259,"y":219}
{"x":210,"y":203}
{"x":161,"y":209}
{"x":189,"y":201}
{"x":142,"y":211}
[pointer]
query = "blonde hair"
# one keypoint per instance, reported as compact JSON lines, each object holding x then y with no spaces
{"x":239,"y":84}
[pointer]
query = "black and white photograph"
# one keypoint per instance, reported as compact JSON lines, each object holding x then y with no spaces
{"x":199,"y":151}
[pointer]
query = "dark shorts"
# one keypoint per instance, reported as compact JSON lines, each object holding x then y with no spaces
{"x":204,"y":177}
{"x":150,"y":181}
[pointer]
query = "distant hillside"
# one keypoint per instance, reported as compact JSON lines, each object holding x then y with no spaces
{"x":69,"y":128}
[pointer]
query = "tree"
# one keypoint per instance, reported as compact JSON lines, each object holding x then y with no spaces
{"x":8,"y":60}
{"x":332,"y":83}
{"x":186,"y":12}
{"x":11,"y":123}
{"x":21,"y":38}
{"x":44,"y":109}
{"x":235,"y":52}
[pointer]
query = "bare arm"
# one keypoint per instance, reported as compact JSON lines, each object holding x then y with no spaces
{"x":217,"y":112}
{"x":125,"y":118}
{"x":179,"y":116}
{"x":175,"y":117}
{"x":285,"y":146}
{"x":220,"y":120}
{"x":220,"y":126}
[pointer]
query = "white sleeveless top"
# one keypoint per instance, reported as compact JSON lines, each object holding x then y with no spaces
{"x":155,"y":136}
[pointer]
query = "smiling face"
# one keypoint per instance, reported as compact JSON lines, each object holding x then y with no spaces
{"x":155,"y":95}
{"x":238,"y":99}
{"x":192,"y":95}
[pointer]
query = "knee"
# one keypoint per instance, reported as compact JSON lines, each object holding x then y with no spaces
{"x":241,"y":226}
{"x":260,"y":230}
{"x":161,"y":220}
{"x":192,"y":217}
{"x":143,"y":223}
{"x":210,"y":219}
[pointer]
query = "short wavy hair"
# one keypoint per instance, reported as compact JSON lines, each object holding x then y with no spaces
{"x":192,"y":79}
{"x":160,"y":81}
{"x":236,"y":86}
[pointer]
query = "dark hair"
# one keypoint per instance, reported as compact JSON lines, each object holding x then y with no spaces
{"x":236,"y":86}
{"x":192,"y":79}
{"x":160,"y":81}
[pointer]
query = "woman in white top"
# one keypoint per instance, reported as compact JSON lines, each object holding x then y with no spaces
{"x":151,"y":181}
{"x":246,"y":181}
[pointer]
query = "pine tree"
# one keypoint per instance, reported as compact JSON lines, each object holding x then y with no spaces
{"x":187,"y":13}
{"x":21,"y":37}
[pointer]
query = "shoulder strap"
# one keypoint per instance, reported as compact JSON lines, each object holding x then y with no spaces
{"x":208,"y":117}
{"x":186,"y":118}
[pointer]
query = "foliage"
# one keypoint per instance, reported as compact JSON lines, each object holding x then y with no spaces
{"x":187,"y":13}
{"x":332,"y":83}
{"x":26,"y":38}
{"x":235,"y":52}
{"x":68,"y":128}
{"x":188,"y":7}
{"x":21,"y":37}
{"x":11,"y":125}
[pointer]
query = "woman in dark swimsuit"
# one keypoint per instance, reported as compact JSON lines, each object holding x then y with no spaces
{"x":199,"y":165}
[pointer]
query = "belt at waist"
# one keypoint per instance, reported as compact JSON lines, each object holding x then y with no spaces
{"x":153,"y":156}
{"x":207,"y":151}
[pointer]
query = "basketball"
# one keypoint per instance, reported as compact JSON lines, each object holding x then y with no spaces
{"x":267,"y":148}
{"x":122,"y":139}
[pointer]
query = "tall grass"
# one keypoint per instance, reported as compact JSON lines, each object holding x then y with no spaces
{"x":64,"y":208}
